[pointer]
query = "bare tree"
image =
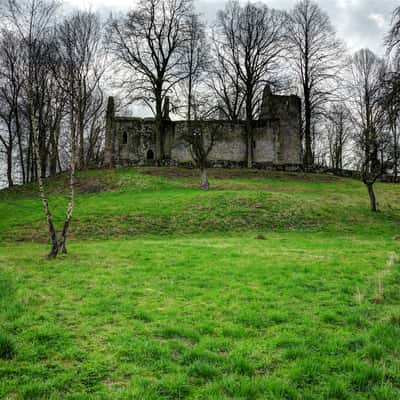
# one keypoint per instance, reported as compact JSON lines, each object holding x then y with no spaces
{"x":7,"y":140}
{"x":82,"y":63}
{"x":366,"y":71}
{"x":392,"y":39}
{"x":10,"y":92}
{"x":391,"y":96}
{"x":225,"y":83}
{"x":316,"y":56}
{"x":196,"y":60}
{"x":201,"y":136}
{"x":390,"y":101}
{"x":149,"y":43}
{"x":251,"y":38}
{"x":94,"y":119}
{"x":339,"y":128}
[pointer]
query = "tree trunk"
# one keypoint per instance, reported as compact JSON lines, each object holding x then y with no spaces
{"x":159,"y":125}
{"x":9,"y":172}
{"x":158,"y":133}
{"x":308,"y":156}
{"x":29,"y":159}
{"x":9,"y":165}
{"x":249,"y":145}
{"x":372,"y":198}
{"x":49,"y":218}
{"x":396,"y":154}
{"x":53,"y":155}
{"x":81,"y":130}
{"x":20,"y":149}
{"x":41,"y":156}
{"x":249,"y":127}
{"x":63,"y":240}
{"x":204,"y":184}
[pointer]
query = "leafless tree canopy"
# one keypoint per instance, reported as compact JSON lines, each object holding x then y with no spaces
{"x":149,"y":43}
{"x":249,"y":47}
{"x":366,"y":73}
{"x":316,"y":56}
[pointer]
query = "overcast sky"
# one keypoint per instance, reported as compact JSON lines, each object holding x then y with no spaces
{"x":360,"y":23}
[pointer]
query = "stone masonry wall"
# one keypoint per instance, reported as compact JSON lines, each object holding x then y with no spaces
{"x":134,"y":140}
{"x":276,"y":138}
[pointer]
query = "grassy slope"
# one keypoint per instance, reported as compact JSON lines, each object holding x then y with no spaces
{"x":194,"y":303}
{"x":125,"y":203}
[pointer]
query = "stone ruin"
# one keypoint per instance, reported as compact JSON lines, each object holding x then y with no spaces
{"x":276,"y":138}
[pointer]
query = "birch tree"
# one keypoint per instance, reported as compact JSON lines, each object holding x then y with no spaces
{"x":32,"y":21}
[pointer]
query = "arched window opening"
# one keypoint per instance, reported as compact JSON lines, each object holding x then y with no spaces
{"x":124,"y":138}
{"x":150,"y":155}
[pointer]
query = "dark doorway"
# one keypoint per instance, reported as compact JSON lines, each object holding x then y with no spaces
{"x":125,"y":138}
{"x":150,"y":155}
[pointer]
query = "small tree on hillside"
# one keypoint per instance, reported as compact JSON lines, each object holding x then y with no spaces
{"x":366,"y":71}
{"x":201,"y":137}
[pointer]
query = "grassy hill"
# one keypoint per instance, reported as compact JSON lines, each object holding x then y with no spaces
{"x":270,"y":286}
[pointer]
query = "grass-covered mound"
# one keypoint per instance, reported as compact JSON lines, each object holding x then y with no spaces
{"x":270,"y":286}
{"x":127,"y":203}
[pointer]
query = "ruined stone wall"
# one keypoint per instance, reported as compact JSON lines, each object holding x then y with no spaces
{"x":229,"y":142}
{"x":134,"y":141}
{"x":284,"y":112}
{"x":273,"y":142}
{"x":276,"y":138}
{"x":265,"y":142}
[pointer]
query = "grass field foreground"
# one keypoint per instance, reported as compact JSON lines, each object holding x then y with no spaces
{"x":270,"y":286}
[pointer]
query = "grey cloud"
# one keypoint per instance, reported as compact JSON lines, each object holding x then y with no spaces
{"x":357,"y":22}
{"x":360,"y":23}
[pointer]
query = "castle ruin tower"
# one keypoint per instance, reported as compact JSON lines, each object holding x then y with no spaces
{"x":266,"y":111}
{"x":109,"y":137}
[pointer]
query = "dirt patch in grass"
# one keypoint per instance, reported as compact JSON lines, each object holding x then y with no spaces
{"x":225,"y":173}
{"x":97,"y":184}
{"x":90,"y":181}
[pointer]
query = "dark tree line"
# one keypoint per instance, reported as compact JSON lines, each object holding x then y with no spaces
{"x":51,"y":99}
{"x":68,"y":60}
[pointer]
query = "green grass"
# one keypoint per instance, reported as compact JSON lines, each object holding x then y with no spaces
{"x":270,"y":286}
